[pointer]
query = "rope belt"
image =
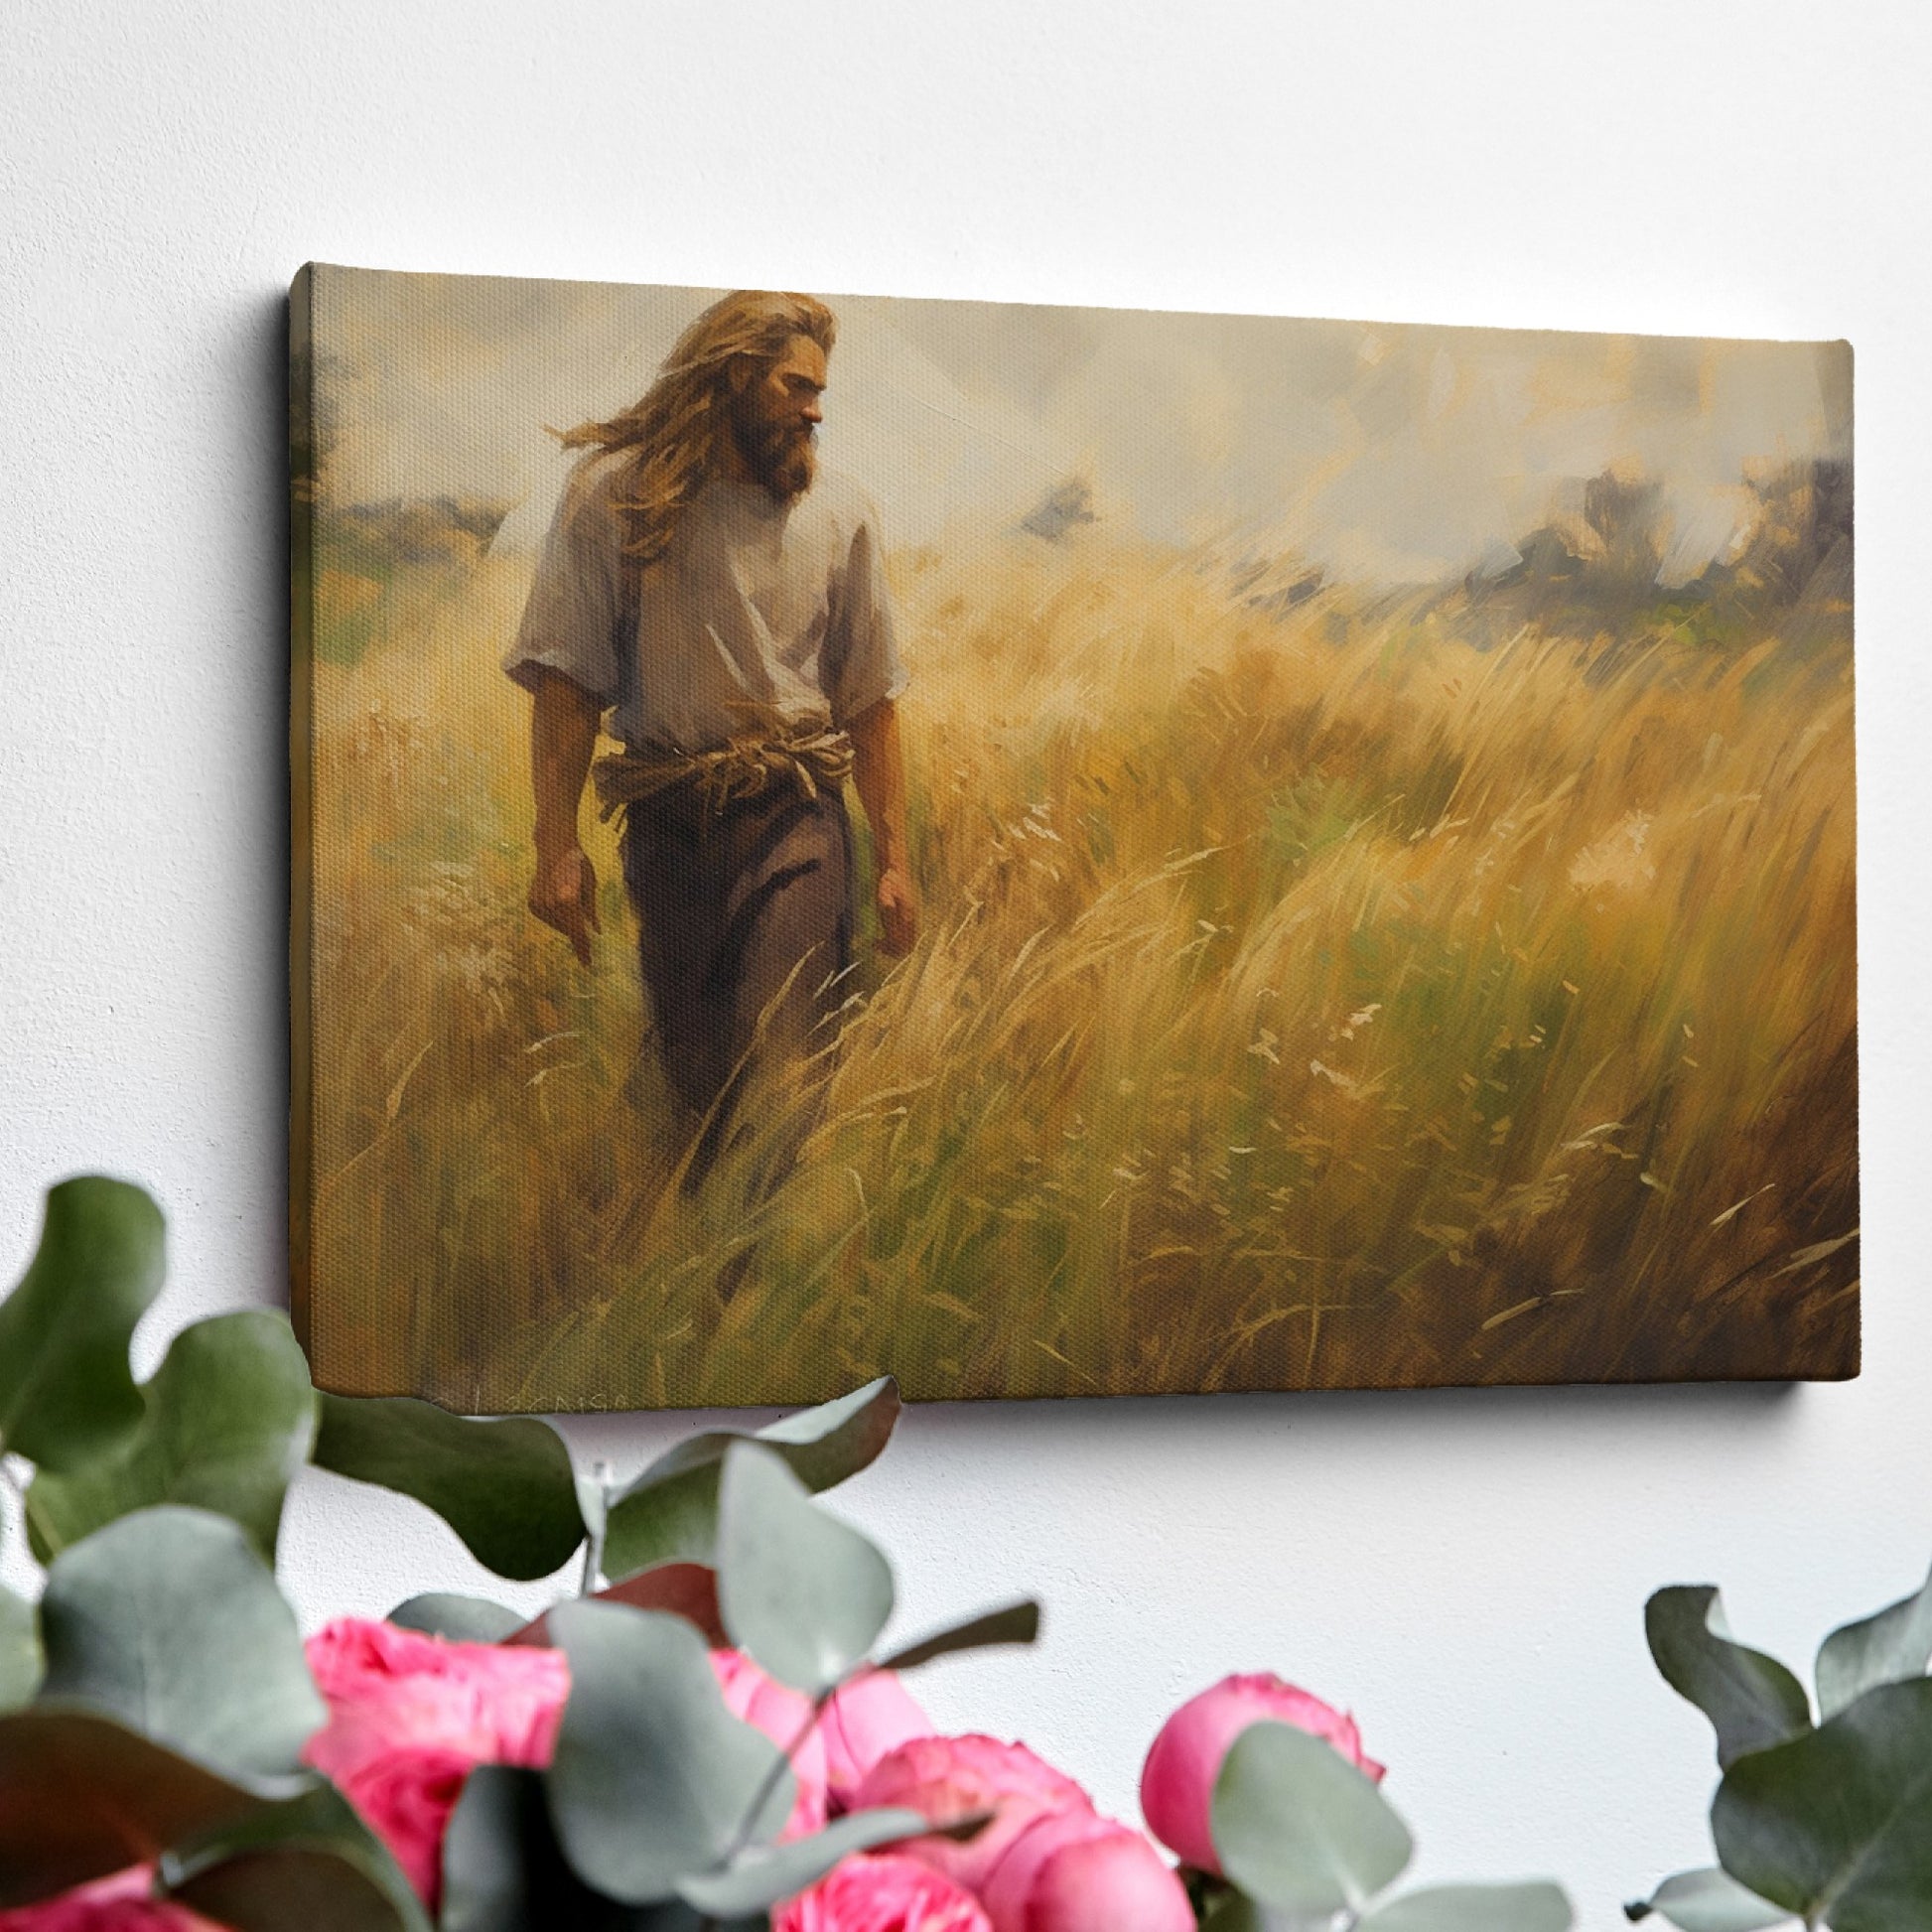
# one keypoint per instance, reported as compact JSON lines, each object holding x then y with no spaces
{"x":810,"y":757}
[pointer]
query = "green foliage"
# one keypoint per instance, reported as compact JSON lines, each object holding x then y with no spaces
{"x":66,"y":1394}
{"x":1234,"y":1911}
{"x":670,"y":1512}
{"x":802,"y":1595}
{"x":1831,"y":1825}
{"x":20,"y":1649}
{"x":506,"y":1487}
{"x":663,"y":1518}
{"x":307,"y":1861}
{"x":686,"y":1590}
{"x":1887,"y":1648}
{"x":505,"y":1871}
{"x":1708,"y":1900}
{"x":82,"y":1796}
{"x":168,"y":1622}
{"x":1302,"y":1834}
{"x":1535,"y":1906}
{"x":653,"y":1779}
{"x":502,"y":1869}
{"x":463,"y":1619}
{"x":1751,"y":1700}
{"x":1298,"y":1828}
{"x":1836,"y":1826}
{"x":226,"y":1425}
{"x":761,"y":1875}
{"x":1015,"y":1624}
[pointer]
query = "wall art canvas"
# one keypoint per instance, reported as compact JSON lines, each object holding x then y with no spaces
{"x":1061,"y":852}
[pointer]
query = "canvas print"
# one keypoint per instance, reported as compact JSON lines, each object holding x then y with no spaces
{"x":1061,"y":852}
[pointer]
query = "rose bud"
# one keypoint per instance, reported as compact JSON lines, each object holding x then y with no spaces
{"x":1069,"y":1871}
{"x":1177,"y":1781}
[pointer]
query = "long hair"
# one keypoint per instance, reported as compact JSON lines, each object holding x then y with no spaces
{"x":676,"y":428}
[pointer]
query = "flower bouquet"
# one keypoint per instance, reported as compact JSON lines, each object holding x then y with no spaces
{"x":708,"y":1735}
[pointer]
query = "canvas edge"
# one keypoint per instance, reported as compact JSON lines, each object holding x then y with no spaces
{"x":301,"y":724}
{"x":979,"y":299}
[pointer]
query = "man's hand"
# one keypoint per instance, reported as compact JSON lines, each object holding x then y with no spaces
{"x":563,"y":735}
{"x":899,"y":911}
{"x":564,"y":895}
{"x":879,"y":770}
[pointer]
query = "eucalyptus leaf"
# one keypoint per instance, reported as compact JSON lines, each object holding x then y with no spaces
{"x":1751,"y":1700}
{"x":1889,"y":1648}
{"x":824,"y":1446}
{"x":1298,"y":1828}
{"x":1533,"y":1905}
{"x":463,"y":1619}
{"x":660,"y":1519}
{"x":226,"y":1425}
{"x":653,"y":1779}
{"x":1708,"y":1900}
{"x":1837,"y":1825}
{"x":506,"y":1488}
{"x":306,"y":1866}
{"x":500,"y":1860}
{"x":761,"y":1875}
{"x":686,"y":1590}
{"x":66,"y":1393}
{"x":669,"y":1513}
{"x":802,"y":1594}
{"x":505,"y":1871}
{"x":1234,"y":1911}
{"x":300,"y":1888}
{"x":20,"y":1649}
{"x":1015,"y":1624}
{"x":82,"y":1796}
{"x":169,"y":1622}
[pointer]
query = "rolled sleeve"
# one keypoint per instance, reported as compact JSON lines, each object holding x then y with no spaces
{"x":863,"y":663}
{"x":572,"y":621}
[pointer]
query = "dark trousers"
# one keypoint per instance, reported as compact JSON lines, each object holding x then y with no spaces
{"x":745,"y":920}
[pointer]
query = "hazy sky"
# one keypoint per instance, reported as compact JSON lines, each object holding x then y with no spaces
{"x":1386,"y":452}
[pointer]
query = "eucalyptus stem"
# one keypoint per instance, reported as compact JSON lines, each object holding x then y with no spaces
{"x":13,"y":1482}
{"x":770,"y":1782}
{"x":594,"y":1532}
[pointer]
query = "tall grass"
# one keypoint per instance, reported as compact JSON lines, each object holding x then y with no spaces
{"x":1305,"y":999}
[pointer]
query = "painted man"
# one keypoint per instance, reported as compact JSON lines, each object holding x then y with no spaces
{"x":724,"y":603}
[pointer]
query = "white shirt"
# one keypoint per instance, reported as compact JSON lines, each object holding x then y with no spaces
{"x":761,"y":615}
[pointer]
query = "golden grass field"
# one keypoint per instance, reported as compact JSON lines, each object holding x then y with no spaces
{"x":1307,"y":999}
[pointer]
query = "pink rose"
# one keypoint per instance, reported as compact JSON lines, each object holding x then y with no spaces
{"x":781,"y":1713}
{"x":948,"y":1778}
{"x":1067,"y":1872}
{"x":862,"y":1721}
{"x":409,"y":1714}
{"x":405,"y":1797}
{"x":881,"y":1893}
{"x":1177,"y":1781}
{"x":121,"y":1903}
{"x":388,"y":1686}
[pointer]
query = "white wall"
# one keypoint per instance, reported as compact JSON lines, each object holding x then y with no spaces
{"x":1466,"y":1570}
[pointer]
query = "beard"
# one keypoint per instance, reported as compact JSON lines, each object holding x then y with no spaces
{"x":781,"y":456}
